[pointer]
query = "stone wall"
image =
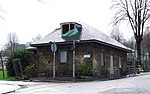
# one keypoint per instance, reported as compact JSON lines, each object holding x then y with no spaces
{"x":44,"y":58}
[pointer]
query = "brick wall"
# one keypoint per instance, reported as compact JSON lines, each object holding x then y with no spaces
{"x":45,"y":59}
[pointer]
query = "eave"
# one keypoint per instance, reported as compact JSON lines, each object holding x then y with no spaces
{"x":84,"y":41}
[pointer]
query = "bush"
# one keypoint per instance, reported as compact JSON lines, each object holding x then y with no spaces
{"x":104,"y":73}
{"x":24,"y":58}
{"x":30,"y":71}
{"x":84,"y":70}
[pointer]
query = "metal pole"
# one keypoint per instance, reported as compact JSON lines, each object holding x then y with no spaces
{"x":54,"y":66}
{"x":54,"y":60}
{"x":2,"y":65}
{"x":73,"y":58}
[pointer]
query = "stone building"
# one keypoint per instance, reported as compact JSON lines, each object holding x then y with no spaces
{"x":80,"y":45}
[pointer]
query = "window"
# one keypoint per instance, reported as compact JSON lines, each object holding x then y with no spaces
{"x":63,"y":57}
{"x":102,"y":58}
{"x":67,"y":27}
{"x":71,"y":26}
{"x":111,"y":65}
{"x":120,"y":63}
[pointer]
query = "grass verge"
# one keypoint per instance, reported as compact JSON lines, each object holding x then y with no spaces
{"x":6,"y":77}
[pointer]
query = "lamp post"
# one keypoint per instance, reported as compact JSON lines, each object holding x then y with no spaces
{"x":54,"y":49}
{"x":73,"y":59}
{"x":54,"y":65}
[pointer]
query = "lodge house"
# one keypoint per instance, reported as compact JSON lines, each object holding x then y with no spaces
{"x":76,"y":44}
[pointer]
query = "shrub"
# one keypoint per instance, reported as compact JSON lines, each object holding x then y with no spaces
{"x":24,"y":58}
{"x":84,"y":70}
{"x":104,"y":73}
{"x":30,"y":71}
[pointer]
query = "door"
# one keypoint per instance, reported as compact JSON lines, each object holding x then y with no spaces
{"x":111,"y":67}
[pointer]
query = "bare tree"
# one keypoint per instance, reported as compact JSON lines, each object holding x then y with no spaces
{"x":130,"y":43}
{"x":117,"y":35}
{"x":145,"y":43}
{"x":12,"y":41}
{"x":38,"y":37}
{"x":136,"y":12}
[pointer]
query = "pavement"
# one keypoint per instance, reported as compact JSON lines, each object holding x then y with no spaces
{"x":107,"y":86}
{"x":8,"y":88}
{"x":11,"y":86}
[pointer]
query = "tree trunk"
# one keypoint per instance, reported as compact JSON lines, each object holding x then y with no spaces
{"x":138,"y":42}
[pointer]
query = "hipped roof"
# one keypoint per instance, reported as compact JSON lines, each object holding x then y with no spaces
{"x":87,"y":33}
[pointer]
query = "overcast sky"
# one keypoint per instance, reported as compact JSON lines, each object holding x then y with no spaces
{"x":28,"y":18}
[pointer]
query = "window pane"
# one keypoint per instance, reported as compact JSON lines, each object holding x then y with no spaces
{"x":120,"y":62}
{"x":63,"y":57}
{"x":111,"y":64}
{"x":65,"y":28}
{"x":102,"y":59}
{"x":71,"y":26}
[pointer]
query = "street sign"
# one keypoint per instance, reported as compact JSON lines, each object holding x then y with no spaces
{"x":54,"y":47}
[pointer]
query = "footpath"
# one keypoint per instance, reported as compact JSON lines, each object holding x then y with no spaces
{"x":11,"y":86}
{"x":8,"y":88}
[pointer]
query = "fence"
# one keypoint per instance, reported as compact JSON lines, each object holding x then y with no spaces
{"x":146,"y":65}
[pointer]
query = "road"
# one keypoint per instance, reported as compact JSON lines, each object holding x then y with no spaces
{"x":131,"y":85}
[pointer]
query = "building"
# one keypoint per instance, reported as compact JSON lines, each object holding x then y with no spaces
{"x":81,"y":50}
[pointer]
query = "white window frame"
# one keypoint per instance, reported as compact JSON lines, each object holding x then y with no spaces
{"x":111,"y":64}
{"x":68,"y":27}
{"x":120,"y":62}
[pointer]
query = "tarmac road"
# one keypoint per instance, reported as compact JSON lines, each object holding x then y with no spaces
{"x":131,"y":85}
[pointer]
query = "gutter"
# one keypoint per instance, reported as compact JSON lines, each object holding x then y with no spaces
{"x":84,"y":41}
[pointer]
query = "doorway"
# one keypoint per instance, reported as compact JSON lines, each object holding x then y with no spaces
{"x":111,"y":66}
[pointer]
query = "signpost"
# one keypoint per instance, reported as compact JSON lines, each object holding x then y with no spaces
{"x":54,"y":49}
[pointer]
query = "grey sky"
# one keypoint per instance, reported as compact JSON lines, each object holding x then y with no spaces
{"x":28,"y":18}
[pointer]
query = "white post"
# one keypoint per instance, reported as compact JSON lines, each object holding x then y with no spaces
{"x":54,"y":61}
{"x":134,"y":58}
{"x":54,"y":66}
{"x":73,"y":59}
